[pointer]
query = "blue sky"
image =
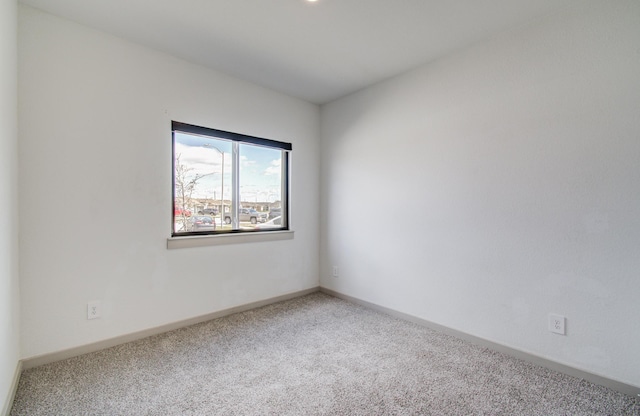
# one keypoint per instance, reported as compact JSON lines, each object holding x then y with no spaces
{"x":260,"y":176}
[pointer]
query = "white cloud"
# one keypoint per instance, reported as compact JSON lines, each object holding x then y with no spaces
{"x":274,"y":168}
{"x":201,"y":160}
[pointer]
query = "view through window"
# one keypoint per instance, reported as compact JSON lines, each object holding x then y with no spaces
{"x":226,"y":182}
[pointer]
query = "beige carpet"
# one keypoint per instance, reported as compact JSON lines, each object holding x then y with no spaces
{"x":315,"y":355}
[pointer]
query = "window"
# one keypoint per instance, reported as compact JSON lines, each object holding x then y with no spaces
{"x":226,"y":182}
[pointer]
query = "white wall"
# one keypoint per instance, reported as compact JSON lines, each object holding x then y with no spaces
{"x":497,"y":185}
{"x":9,"y":296}
{"x":95,"y":187}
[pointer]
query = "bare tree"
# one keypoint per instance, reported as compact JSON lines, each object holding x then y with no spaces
{"x":185,"y":185}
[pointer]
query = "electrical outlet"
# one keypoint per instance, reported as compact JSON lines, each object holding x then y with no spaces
{"x":335,"y":271}
{"x":94,"y":309}
{"x":557,"y":323}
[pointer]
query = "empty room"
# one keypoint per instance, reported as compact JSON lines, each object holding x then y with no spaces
{"x":320,"y":207}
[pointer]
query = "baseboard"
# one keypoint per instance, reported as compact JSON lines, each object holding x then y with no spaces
{"x":112,"y":342}
{"x":598,"y":379}
{"x":6,"y":408}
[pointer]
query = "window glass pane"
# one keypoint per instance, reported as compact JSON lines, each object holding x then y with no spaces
{"x":227,"y":182}
{"x":261,"y":187}
{"x":202,"y":179}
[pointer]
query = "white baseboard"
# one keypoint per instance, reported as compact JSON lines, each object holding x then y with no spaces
{"x":616,"y":385}
{"x":112,"y":342}
{"x":6,"y":408}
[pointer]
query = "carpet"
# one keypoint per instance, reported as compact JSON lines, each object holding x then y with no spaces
{"x":313,"y":355}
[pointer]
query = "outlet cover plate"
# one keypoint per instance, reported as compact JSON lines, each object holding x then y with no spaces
{"x":94,"y":309}
{"x":557,"y":324}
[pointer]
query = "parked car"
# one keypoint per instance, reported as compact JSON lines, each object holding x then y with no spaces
{"x":247,"y":214}
{"x":179,"y":212}
{"x":201,"y":223}
{"x":271,"y":224}
{"x":208,"y":211}
{"x":275,"y":212}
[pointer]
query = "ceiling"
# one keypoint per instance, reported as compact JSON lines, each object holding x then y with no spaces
{"x":315,"y":51}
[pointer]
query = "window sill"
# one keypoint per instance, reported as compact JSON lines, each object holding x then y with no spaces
{"x":224,"y":239}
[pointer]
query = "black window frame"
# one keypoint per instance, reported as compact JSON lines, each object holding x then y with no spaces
{"x":181,"y":127}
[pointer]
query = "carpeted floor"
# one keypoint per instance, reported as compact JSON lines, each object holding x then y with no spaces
{"x":314,"y":355}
